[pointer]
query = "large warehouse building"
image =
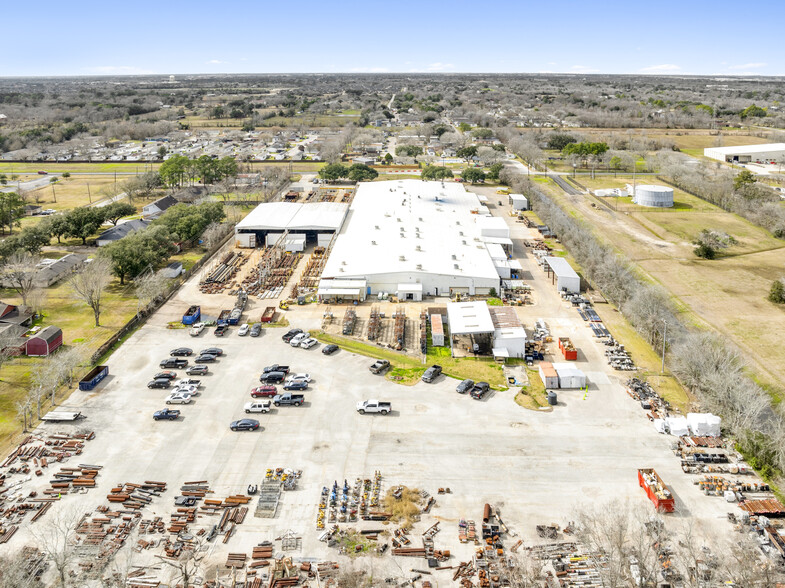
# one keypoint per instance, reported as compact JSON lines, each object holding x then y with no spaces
{"x":306,"y":223}
{"x":410,"y":239}
{"x":766,"y":153}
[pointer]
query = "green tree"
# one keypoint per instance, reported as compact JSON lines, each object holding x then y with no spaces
{"x":473,"y":175}
{"x":136,"y":252}
{"x":173,"y":171}
{"x":705,"y":251}
{"x":83,"y":222}
{"x":494,"y":170}
{"x":408,"y":151}
{"x":777,"y":292}
{"x":388,"y":158}
{"x":3,"y":179}
{"x":333,"y":171}
{"x":117,"y":210}
{"x":362,"y":173}
{"x":463,"y":127}
{"x":33,"y":238}
{"x":482,"y":133}
{"x":186,"y":223}
{"x":615,"y":162}
{"x":559,"y":141}
{"x":439,"y":130}
{"x":467,"y":153}
{"x":585,"y":149}
{"x":12,"y":208}
{"x":226,"y":167}
{"x":434,"y":172}
{"x":743,"y":179}
{"x":66,"y":175}
{"x":56,"y":225}
{"x":162,"y":151}
{"x":754,"y":111}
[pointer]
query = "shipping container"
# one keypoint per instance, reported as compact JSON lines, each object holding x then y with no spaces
{"x":548,"y":375}
{"x":192,"y":315}
{"x":567,"y":349}
{"x":656,"y":490}
{"x":92,"y":379}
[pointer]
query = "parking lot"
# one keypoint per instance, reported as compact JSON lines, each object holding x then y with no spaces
{"x":538,"y":467}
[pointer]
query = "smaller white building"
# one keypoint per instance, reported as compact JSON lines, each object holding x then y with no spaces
{"x":569,"y":375}
{"x":437,"y":330}
{"x":493,"y":226}
{"x":565,"y":277}
{"x":334,"y":290}
{"x":519,"y":202}
{"x":469,"y":318}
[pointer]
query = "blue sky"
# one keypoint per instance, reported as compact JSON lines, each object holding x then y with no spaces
{"x":165,"y":37}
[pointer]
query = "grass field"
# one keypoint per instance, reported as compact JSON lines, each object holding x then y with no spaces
{"x":73,"y":192}
{"x":76,"y":320}
{"x":727,"y":294}
{"x":51,"y":167}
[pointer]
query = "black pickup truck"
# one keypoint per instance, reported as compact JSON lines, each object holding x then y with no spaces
{"x":276,"y":368}
{"x":432,"y":373}
{"x":166,"y":414}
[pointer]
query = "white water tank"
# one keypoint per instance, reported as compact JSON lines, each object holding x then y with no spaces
{"x":659,"y":196}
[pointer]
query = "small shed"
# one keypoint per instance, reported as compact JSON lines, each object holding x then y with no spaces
{"x":565,"y":277}
{"x":173,"y":270}
{"x":569,"y":375}
{"x":44,"y":342}
{"x":409,"y":292}
{"x":437,"y":330}
{"x":548,"y":375}
{"x":519,"y":202}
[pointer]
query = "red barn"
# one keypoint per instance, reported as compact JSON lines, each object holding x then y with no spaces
{"x":44,"y":342}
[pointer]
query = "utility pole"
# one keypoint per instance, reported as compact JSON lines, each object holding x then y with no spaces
{"x":89,"y":196}
{"x":664,"y":338}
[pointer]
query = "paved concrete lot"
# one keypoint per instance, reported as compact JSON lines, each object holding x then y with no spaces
{"x":537,"y":467}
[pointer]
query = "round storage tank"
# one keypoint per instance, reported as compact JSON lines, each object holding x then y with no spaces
{"x":660,"y":196}
{"x":552,"y":398}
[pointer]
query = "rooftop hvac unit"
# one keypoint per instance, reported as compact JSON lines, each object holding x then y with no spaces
{"x":455,"y":256}
{"x":402,"y":258}
{"x":420,"y":219}
{"x":373,"y":242}
{"x":455,"y":265}
{"x":419,"y":266}
{"x":398,"y":219}
{"x":418,"y":248}
{"x":457,"y":222}
{"x":377,"y":228}
{"x":464,"y":241}
{"x":476,"y":238}
{"x":460,"y":233}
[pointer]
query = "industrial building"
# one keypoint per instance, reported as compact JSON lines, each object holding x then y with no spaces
{"x":478,"y":329}
{"x":766,"y":153}
{"x":518,"y":202}
{"x":651,"y":195}
{"x":304,"y":224}
{"x":411,"y":239}
{"x":562,"y":274}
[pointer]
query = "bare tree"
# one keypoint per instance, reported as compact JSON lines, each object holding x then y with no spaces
{"x":149,"y":288}
{"x":57,"y":538}
{"x":89,"y":284}
{"x":214,"y":233}
{"x":19,"y":273}
{"x":526,"y":571}
{"x":23,"y":407}
{"x":15,"y":571}
{"x":188,"y":565}
{"x":36,"y":299}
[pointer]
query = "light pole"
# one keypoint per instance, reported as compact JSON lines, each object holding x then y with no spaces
{"x":573,"y":170}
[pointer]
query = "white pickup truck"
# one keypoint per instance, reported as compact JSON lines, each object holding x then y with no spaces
{"x":373,"y":406}
{"x":260,"y":406}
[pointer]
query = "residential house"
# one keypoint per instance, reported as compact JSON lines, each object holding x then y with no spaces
{"x":120,"y":231}
{"x":12,"y":340}
{"x":51,"y":271}
{"x":155,"y":209}
{"x":13,"y":315}
{"x":364,"y":160}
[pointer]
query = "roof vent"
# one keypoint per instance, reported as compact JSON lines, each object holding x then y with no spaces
{"x":373,"y":242}
{"x":464,"y":241}
{"x":418,"y":248}
{"x":340,"y":269}
{"x":419,"y":266}
{"x":457,"y":222}
{"x":377,"y":228}
{"x":454,"y":256}
{"x":455,"y":265}
{"x":420,"y":219}
{"x":399,"y":220}
{"x":402,"y":258}
{"x":344,"y":263}
{"x":460,"y":233}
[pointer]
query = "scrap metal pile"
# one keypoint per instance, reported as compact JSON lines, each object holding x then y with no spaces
{"x":312,"y":272}
{"x":642,"y":391}
{"x":374,"y":324}
{"x":349,"y":320}
{"x":399,"y":329}
{"x":618,"y":357}
{"x":345,"y":504}
{"x":34,"y":455}
{"x":222,"y":273}
{"x":269,"y":277}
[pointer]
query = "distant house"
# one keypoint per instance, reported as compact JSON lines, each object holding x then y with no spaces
{"x":12,"y":341}
{"x":44,"y":342}
{"x":51,"y":271}
{"x":364,"y":160}
{"x":156,"y":208}
{"x":32,"y":209}
{"x":120,"y":231}
{"x":12,"y":315}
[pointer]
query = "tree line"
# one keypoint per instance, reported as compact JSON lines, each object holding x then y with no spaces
{"x":707,"y":364}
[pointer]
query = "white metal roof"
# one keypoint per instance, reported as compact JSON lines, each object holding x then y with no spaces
{"x":496,"y":251}
{"x":746,"y":149}
{"x":410,"y":226}
{"x":561,"y":267}
{"x":469,"y":317}
{"x":500,"y":240}
{"x":278,"y":216}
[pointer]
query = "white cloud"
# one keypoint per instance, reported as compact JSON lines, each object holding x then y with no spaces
{"x":215,"y":62}
{"x":664,"y":67}
{"x":438,"y":66}
{"x":583,"y":69}
{"x":369,"y":70}
{"x":119,"y":70}
{"x":748,"y":66}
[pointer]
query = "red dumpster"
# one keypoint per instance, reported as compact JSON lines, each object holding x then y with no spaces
{"x":656,"y":490}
